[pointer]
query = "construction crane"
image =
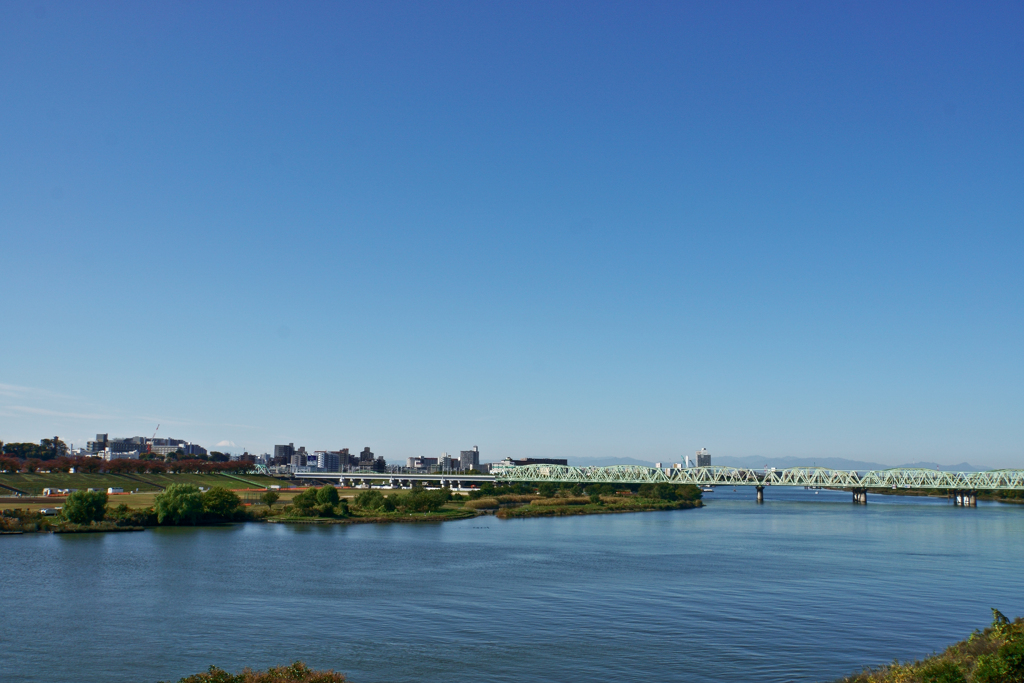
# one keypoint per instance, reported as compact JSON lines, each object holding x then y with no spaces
{"x":153,"y":439}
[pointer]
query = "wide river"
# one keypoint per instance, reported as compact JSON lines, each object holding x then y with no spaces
{"x":807,"y":587}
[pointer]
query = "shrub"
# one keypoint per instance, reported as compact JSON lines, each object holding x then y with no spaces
{"x":482,"y":504}
{"x":126,"y":516}
{"x":328,"y":495}
{"x":307,"y":499}
{"x":323,"y":510}
{"x":179,"y":504}
{"x":990,"y":669}
{"x":666,"y":491}
{"x":1012,"y":654}
{"x":296,"y":673}
{"x":221,"y":503}
{"x":942,"y":672}
{"x":561,"y":501}
{"x":370,"y":500}
{"x":82,"y":507}
{"x":420,"y":500}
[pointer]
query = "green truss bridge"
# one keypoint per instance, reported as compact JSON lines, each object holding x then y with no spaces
{"x":963,"y":486}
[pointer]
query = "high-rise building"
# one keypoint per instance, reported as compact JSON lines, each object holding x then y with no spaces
{"x":703,"y":458}
{"x":99,"y":445}
{"x":299,"y":458}
{"x":283,"y":454}
{"x":469,"y":460}
{"x":328,"y":461}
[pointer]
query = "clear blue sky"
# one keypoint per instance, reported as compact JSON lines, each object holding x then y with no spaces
{"x":583,"y":229}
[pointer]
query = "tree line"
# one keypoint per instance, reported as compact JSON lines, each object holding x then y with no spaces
{"x":94,"y":465}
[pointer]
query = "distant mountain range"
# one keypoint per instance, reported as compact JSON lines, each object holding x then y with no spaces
{"x":758,"y":462}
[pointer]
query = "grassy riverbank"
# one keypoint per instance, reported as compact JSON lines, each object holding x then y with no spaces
{"x":995,"y":655}
{"x":185,"y":504}
{"x":593,"y":505}
{"x":447,"y":514}
{"x":34,"y":483}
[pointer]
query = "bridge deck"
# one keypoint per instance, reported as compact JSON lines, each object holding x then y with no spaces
{"x":903,"y":478}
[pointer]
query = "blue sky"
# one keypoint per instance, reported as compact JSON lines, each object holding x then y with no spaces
{"x":579,"y":229}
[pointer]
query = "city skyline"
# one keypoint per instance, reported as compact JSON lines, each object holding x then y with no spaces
{"x":780,"y":230}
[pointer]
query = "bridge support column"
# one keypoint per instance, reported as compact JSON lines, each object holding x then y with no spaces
{"x":972,"y":499}
{"x":760,"y":494}
{"x":958,"y":498}
{"x":860,"y":496}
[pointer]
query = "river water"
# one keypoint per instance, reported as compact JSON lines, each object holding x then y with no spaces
{"x":807,"y":587}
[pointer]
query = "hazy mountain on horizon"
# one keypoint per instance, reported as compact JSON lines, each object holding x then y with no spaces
{"x":758,"y":462}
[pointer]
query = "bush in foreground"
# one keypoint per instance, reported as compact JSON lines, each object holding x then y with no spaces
{"x":296,"y":673}
{"x":995,"y":655}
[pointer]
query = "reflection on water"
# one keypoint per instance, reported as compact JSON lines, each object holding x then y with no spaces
{"x":806,"y":587}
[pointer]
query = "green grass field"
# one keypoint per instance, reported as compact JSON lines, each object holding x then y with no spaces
{"x":35,"y":483}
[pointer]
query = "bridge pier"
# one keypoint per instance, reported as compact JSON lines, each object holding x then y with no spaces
{"x":760,"y":494}
{"x":860,"y":496}
{"x":965,"y":499}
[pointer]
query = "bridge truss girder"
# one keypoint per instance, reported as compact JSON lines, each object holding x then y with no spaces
{"x":903,"y":478}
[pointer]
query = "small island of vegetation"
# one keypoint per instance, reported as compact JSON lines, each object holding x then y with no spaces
{"x":296,"y":673}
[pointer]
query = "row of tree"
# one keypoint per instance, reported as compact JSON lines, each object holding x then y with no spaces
{"x":326,"y":502}
{"x":93,"y":465}
{"x":47,"y":449}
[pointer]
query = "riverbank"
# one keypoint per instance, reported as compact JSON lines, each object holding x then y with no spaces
{"x":383,"y":518}
{"x":603,"y":505}
{"x":33,"y":484}
{"x":1011,"y":497}
{"x":995,"y":655}
{"x":330,"y":505}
